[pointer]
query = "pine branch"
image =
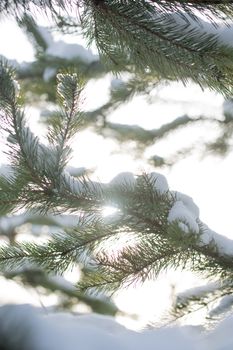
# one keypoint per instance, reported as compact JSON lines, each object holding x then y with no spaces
{"x":64,"y":125}
{"x":42,"y":167}
{"x":60,"y":252}
{"x":204,"y":297}
{"x":211,"y":9}
{"x":158,"y":43}
{"x":10,"y":188}
{"x":145,"y":35}
{"x":153,"y":229}
{"x":24,"y":149}
{"x":136,"y":245}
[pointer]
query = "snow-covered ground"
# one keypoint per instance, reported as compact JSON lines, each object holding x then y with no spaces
{"x":94,"y":332}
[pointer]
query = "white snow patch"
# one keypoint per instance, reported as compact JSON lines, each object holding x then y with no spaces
{"x":63,"y":283}
{"x":159,"y":181}
{"x":179,"y":212}
{"x":224,"y":306}
{"x":96,"y":187}
{"x":76,"y":172}
{"x":188,"y":202}
{"x":65,"y":50}
{"x":90,"y":332}
{"x":94,"y":332}
{"x":223,"y":32}
{"x":223,"y":244}
{"x":124,"y":179}
{"x":183,"y":227}
{"x":221,"y":338}
{"x":198,"y":291}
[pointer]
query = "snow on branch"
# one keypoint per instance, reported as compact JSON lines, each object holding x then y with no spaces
{"x":151,"y":230}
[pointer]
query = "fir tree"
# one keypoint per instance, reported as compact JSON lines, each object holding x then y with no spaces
{"x":153,"y":228}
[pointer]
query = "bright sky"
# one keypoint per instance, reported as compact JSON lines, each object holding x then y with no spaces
{"x":208,"y":181}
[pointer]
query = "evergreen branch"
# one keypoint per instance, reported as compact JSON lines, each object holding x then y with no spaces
{"x":199,"y":298}
{"x":41,"y":167}
{"x":10,"y":188}
{"x":151,"y":255}
{"x":68,"y":95}
{"x":143,"y":239}
{"x":24,"y":149}
{"x":170,"y":49}
{"x":61,"y":9}
{"x":59,"y":253}
{"x":64,"y":124}
{"x":125,"y":268}
{"x":211,"y":9}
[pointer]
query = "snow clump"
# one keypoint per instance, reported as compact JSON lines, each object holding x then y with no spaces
{"x":185,"y":210}
{"x":124,"y":179}
{"x":159,"y":182}
{"x":35,"y":330}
